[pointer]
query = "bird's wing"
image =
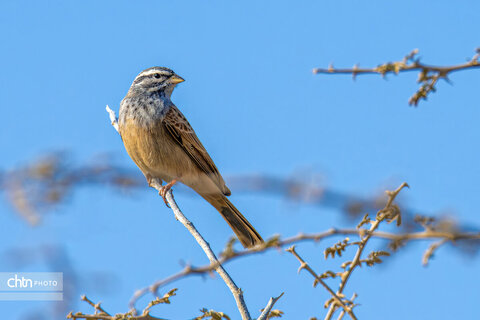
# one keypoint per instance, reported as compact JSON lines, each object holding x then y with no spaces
{"x":182,"y":132}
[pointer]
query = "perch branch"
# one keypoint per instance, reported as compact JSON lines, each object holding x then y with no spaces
{"x":236,"y":291}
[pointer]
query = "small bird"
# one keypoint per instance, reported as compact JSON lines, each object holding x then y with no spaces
{"x":161,"y":142}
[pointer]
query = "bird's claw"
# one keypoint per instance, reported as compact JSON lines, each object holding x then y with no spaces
{"x":164,"y":190}
{"x":163,"y":193}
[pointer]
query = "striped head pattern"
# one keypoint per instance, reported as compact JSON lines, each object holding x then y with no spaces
{"x":156,"y":79}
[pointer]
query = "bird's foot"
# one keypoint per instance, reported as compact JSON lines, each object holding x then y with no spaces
{"x":164,"y":189}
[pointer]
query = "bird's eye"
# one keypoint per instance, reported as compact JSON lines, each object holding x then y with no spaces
{"x":157,"y":75}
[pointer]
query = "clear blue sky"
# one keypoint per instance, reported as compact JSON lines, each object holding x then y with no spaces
{"x":251,"y":97}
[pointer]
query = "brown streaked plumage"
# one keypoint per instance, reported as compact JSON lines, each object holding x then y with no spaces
{"x":159,"y":139}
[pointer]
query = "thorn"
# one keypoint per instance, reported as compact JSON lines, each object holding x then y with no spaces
{"x":303,"y":265}
{"x":354,"y":73}
{"x":291,"y":249}
{"x":281,"y":295}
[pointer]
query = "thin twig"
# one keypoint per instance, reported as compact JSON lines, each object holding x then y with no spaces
{"x":306,"y":266}
{"x":98,"y":308}
{"x":268,"y":308}
{"x":431,"y":250}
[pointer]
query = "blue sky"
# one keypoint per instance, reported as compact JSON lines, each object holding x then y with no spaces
{"x":255,"y":104}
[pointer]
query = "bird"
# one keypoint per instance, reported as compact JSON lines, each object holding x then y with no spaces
{"x":164,"y":146}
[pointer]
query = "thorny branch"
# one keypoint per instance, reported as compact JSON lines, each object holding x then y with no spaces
{"x":101,"y":314}
{"x":428,"y":75}
{"x":389,"y":213}
{"x":442,"y":231}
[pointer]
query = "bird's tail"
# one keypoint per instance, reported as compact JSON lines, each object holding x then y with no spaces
{"x":245,"y":232}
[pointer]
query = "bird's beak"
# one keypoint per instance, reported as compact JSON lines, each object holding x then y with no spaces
{"x":176,"y":79}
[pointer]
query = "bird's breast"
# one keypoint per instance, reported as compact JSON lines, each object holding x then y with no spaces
{"x":155,"y":152}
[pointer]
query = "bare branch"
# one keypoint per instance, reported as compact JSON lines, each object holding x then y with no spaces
{"x":428,"y":75}
{"x":236,"y":291}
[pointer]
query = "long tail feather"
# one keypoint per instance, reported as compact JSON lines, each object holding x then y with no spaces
{"x":245,"y":232}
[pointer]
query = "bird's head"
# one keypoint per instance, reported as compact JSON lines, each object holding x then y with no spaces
{"x":156,"y":79}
